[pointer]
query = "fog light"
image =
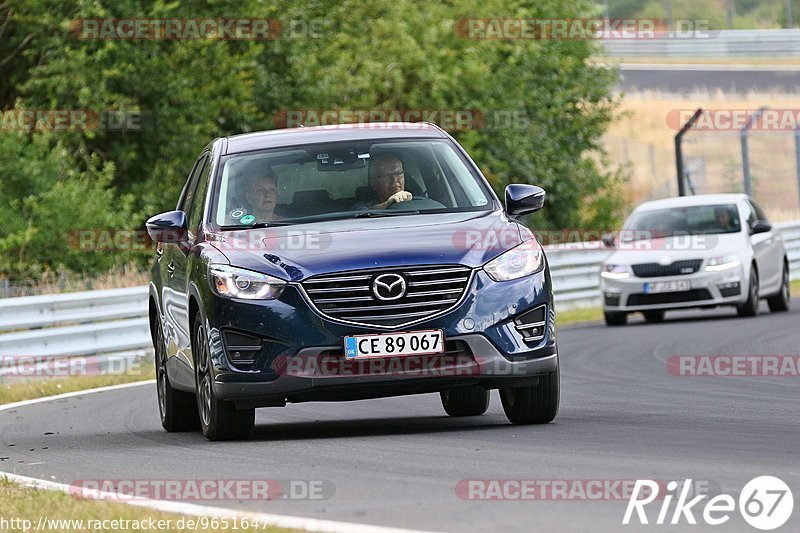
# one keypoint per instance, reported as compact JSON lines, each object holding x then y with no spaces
{"x":531,"y":324}
{"x":241,"y":349}
{"x":730,"y":289}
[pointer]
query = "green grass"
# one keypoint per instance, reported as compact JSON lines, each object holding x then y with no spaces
{"x":28,"y":390}
{"x":577,"y":316}
{"x":31,"y":504}
{"x":795,"y":288}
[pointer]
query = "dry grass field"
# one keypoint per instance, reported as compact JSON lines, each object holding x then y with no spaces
{"x":643,"y":140}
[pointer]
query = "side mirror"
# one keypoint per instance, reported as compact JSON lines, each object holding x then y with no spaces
{"x":608,"y":240}
{"x":168,"y":227}
{"x":761,"y":226}
{"x":522,"y":199}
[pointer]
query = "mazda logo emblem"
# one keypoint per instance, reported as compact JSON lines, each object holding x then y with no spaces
{"x":389,"y":287}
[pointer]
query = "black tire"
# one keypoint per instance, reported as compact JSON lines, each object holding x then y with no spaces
{"x":178,"y":409}
{"x":533,"y":405}
{"x":615,"y":319}
{"x":750,"y":307}
{"x":780,"y":302}
{"x":219,"y":420}
{"x":465,"y":401}
{"x":657,"y":315}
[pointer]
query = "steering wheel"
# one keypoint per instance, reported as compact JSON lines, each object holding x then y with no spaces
{"x":416,"y":204}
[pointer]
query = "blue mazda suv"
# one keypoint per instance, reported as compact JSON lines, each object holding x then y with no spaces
{"x":345,"y":263}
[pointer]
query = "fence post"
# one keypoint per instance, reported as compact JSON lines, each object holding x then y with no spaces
{"x":679,"y":150}
{"x":743,"y":134}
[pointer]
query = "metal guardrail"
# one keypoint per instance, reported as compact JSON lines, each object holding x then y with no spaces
{"x":110,"y":322}
{"x":783,"y":43}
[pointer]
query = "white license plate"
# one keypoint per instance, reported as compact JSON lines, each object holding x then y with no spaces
{"x":667,"y":286}
{"x":394,"y":344}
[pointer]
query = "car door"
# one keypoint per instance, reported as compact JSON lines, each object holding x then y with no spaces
{"x":760,"y":243}
{"x":774,"y":253}
{"x":174,"y":297}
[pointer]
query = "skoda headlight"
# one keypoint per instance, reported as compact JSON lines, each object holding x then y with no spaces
{"x":723,"y":262}
{"x":522,"y":260}
{"x":246,"y":284}
{"x":612,"y":271}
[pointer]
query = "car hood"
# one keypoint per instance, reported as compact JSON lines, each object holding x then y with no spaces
{"x":298,"y":251}
{"x":677,"y":248}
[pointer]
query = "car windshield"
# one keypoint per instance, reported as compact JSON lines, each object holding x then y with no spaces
{"x":676,"y":221}
{"x":345,"y":180}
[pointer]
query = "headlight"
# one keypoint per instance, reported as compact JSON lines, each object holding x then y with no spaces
{"x":246,"y":284}
{"x":723,"y":262}
{"x":522,"y":260}
{"x":612,"y":271}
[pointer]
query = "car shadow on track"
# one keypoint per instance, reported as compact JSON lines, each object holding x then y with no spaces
{"x":375,"y":427}
{"x":709,"y":315}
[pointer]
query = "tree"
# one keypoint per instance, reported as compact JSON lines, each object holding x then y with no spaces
{"x":398,"y":55}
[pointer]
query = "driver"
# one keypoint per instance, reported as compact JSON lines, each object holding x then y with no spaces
{"x":387,"y":179}
{"x":724,"y":218}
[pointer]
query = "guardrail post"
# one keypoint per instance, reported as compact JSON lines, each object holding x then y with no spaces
{"x":679,"y":150}
{"x":797,"y":156}
{"x":743,"y":138}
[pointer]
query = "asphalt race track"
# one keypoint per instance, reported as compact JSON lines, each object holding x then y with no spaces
{"x":396,"y":462}
{"x":726,"y":78}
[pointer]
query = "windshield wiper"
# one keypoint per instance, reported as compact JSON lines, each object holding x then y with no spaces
{"x":257,"y":225}
{"x":319,"y":218}
{"x":378,"y":214}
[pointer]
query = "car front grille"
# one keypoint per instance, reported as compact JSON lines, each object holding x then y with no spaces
{"x":694,"y":295}
{"x":678,"y":268}
{"x":351,"y":297}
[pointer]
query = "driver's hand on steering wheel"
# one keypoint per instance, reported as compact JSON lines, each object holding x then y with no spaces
{"x":401,"y":196}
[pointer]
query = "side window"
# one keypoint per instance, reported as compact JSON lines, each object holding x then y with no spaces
{"x":749,"y":214}
{"x":196,"y":213}
{"x":191,"y":184}
{"x":759,"y":213}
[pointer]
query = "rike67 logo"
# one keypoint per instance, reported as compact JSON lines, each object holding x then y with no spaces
{"x":765,"y":503}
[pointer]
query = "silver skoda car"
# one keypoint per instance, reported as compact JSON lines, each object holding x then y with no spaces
{"x":695,"y":251}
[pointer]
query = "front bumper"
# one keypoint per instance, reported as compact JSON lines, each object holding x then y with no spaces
{"x":708,"y":289}
{"x":302,"y":355}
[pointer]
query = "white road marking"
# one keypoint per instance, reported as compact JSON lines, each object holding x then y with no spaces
{"x":291,"y":522}
{"x":285,"y":521}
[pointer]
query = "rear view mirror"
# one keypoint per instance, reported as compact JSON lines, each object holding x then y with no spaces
{"x":761,"y":226}
{"x":522,"y":199}
{"x":168,"y":227}
{"x":608,"y":240}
